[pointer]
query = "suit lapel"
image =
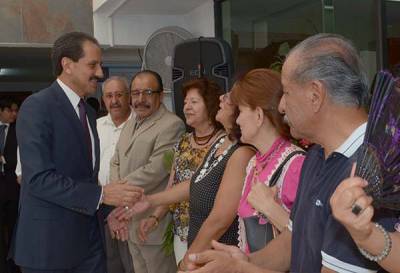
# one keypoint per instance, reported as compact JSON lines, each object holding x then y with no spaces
{"x":66,"y":107}
{"x":147,"y":124}
{"x":10,"y":135}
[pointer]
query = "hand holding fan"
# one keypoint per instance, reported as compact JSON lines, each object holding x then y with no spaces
{"x":378,"y":159}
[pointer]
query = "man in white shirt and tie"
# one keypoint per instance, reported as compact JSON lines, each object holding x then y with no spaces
{"x":62,"y":206}
{"x":116,"y":99}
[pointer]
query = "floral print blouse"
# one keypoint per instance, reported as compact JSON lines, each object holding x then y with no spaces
{"x":186,"y":160}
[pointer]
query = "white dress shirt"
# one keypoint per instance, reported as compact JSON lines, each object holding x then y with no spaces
{"x":109,"y":136}
{"x":74,"y":99}
{"x":18,"y":168}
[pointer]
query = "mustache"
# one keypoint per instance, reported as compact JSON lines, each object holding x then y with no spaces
{"x":115,"y":105}
{"x":141,"y":104}
{"x":95,"y":78}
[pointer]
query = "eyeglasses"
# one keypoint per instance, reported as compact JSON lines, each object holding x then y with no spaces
{"x":117,"y":95}
{"x":146,"y":92}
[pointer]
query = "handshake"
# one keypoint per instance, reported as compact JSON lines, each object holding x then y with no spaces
{"x":128,"y":200}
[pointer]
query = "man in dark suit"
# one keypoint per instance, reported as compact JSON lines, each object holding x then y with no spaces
{"x":9,"y":188}
{"x":58,"y":229}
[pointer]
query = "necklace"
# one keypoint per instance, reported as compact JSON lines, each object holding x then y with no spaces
{"x":203,"y":140}
{"x":208,"y":165}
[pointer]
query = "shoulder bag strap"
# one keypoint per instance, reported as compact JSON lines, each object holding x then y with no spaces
{"x":278,"y":171}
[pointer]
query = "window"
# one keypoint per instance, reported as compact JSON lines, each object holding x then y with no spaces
{"x":392,"y":16}
{"x":262,"y":31}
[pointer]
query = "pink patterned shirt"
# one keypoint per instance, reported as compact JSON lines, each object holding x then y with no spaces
{"x":266,"y":165}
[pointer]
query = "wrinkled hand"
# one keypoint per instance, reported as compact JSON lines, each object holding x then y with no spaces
{"x":124,"y":213}
{"x":142,"y":205}
{"x":118,"y":229}
{"x":139,"y":207}
{"x":260,"y":197}
{"x":121,"y":194}
{"x":146,"y":226}
{"x":186,"y":264}
{"x":350,"y":191}
{"x":223,"y":259}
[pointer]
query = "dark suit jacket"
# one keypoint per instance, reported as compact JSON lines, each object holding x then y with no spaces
{"x":9,"y":188}
{"x":59,"y":189}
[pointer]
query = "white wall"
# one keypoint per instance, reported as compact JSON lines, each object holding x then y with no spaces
{"x":136,"y":29}
{"x":200,"y":21}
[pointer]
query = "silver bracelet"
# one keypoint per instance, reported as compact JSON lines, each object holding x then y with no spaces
{"x":386,"y":250}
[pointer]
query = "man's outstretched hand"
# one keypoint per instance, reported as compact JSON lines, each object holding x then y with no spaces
{"x":121,"y":194}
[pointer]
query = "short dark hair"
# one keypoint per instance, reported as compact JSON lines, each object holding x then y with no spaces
{"x":235,"y":132}
{"x":210,"y":92}
{"x":5,"y":103}
{"x":69,"y":45}
{"x":155,"y":75}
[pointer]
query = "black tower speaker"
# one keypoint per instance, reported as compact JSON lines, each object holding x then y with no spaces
{"x":200,"y":57}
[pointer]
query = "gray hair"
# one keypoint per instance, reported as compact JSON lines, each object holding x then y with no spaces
{"x":333,"y":60}
{"x":121,"y":79}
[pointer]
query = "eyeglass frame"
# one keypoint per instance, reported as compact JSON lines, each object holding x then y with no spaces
{"x":148,"y":92}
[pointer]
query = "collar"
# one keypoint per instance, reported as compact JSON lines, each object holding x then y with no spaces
{"x":6,"y":124}
{"x":353,"y":142}
{"x":71,"y":95}
{"x":275,"y":147}
{"x":108,"y":121}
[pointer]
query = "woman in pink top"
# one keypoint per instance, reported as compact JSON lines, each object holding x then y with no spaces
{"x":258,"y":94}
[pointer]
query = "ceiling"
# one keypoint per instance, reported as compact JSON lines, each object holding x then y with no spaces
{"x":165,"y":7}
{"x":151,"y":7}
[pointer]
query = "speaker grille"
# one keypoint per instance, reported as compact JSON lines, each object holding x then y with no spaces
{"x":222,"y":70}
{"x":211,"y":54}
{"x":177,"y":74}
